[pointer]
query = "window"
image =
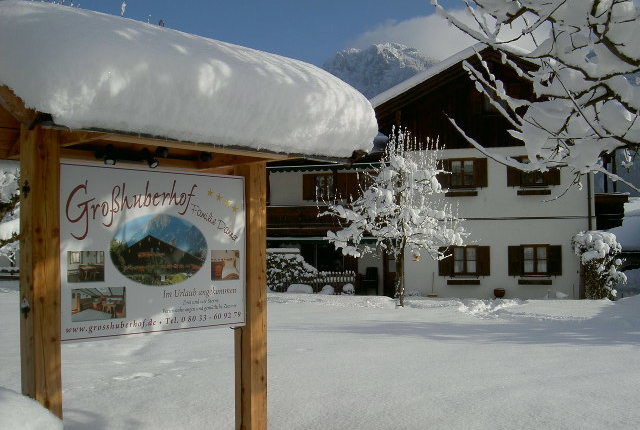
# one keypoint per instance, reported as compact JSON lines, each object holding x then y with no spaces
{"x":462,"y":174}
{"x":465,"y":173}
{"x":518,"y":178}
{"x":535,"y":260}
{"x":74,"y":257}
{"x":324,"y":187}
{"x":465,"y":261}
{"x":329,"y":186}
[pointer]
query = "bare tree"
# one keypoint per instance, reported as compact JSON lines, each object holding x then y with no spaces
{"x":401,"y":209}
{"x":586,"y":79}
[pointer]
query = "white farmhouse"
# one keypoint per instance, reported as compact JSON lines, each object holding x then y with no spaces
{"x":520,"y":224}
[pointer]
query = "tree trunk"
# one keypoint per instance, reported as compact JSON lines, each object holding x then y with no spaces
{"x":400,"y":277}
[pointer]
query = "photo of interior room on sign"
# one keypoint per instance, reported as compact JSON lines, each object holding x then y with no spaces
{"x":225,"y":265}
{"x":92,"y":304}
{"x":85,"y":266}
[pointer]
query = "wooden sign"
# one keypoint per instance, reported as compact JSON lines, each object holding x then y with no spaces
{"x":149,"y":251}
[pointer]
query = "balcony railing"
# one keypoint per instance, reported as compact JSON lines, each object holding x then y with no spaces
{"x":298,"y":221}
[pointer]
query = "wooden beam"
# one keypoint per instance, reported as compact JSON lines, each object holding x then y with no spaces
{"x":218,"y":161}
{"x":70,"y":138}
{"x":14,"y":104}
{"x":251,"y":340}
{"x":40,"y":267}
{"x":267,"y":156}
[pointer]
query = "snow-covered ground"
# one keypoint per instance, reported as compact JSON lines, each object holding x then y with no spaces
{"x":345,"y":362}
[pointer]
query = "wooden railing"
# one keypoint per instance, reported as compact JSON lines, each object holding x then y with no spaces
{"x":297,"y":216}
{"x":336,"y":279}
{"x":298,"y":221}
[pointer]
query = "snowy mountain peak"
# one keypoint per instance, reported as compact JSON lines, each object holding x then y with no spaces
{"x":377,"y":68}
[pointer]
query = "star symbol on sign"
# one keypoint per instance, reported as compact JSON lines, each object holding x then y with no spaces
{"x":218,"y":197}
{"x":227,"y":202}
{"x":210,"y":193}
{"x":234,"y":208}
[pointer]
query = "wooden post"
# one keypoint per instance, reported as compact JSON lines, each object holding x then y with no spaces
{"x":251,"y":340}
{"x":40,"y":267}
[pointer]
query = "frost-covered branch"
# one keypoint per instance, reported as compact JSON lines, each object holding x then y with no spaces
{"x":401,"y":211}
{"x":585,"y":74}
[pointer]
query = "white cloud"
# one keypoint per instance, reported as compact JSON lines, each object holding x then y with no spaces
{"x":433,"y":36}
{"x":430,"y":34}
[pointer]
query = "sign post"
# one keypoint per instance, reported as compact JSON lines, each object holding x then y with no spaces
{"x":47,"y":265}
{"x":40,"y":268}
{"x":251,"y":340}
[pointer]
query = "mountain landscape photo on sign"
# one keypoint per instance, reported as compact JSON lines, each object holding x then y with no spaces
{"x":158,"y":250}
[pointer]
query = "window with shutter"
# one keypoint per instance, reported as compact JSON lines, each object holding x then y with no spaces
{"x":535,"y":260}
{"x":465,"y":261}
{"x":464,"y":173}
{"x":329,"y":186}
{"x":518,"y":178}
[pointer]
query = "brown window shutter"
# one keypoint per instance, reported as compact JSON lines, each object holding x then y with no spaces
{"x":514,"y":178}
{"x":444,"y":178}
{"x":341,"y":185}
{"x":308,"y":187}
{"x":445,"y":266}
{"x":552,"y":177}
{"x":480,"y":172}
{"x":352,"y":187}
{"x":365,"y":181}
{"x":484,"y":263}
{"x":475,"y":101}
{"x":515,"y":260}
{"x":554,"y":260}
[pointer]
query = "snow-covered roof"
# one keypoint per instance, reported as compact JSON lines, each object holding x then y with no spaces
{"x":89,"y":70}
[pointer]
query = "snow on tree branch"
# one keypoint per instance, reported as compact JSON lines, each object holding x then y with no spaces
{"x":598,"y":252}
{"x":586,"y":75}
{"x":401,"y":211}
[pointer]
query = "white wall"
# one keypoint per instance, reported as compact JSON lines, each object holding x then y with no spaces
{"x":423,"y":276}
{"x":498,"y":217}
{"x":286,"y":189}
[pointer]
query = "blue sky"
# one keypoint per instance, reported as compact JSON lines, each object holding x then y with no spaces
{"x":308,"y":30}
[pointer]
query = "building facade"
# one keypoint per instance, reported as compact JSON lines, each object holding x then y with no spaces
{"x":520,"y":225}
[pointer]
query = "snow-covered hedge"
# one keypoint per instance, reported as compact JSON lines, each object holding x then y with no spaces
{"x":300,"y":288}
{"x":598,"y":252}
{"x":286,"y":267}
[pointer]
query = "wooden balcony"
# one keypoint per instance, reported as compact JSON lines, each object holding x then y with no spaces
{"x":610,"y":209}
{"x":298,"y":221}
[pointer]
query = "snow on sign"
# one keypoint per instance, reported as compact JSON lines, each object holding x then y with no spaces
{"x":147,"y":251}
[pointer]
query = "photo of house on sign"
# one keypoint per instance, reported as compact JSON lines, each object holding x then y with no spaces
{"x":158,"y":250}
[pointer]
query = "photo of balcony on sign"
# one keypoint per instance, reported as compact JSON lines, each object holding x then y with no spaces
{"x":225,"y":264}
{"x":158,"y":250}
{"x":92,"y":304}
